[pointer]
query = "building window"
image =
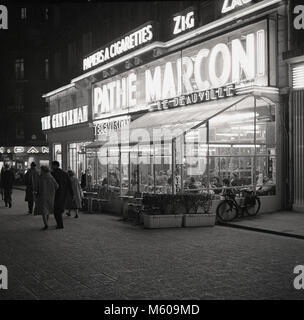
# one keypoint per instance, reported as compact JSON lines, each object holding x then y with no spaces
{"x":46,"y":13}
{"x":23,"y":13}
{"x":57,"y":64}
{"x":86,"y":42}
{"x":46,"y":69}
{"x":19,"y":129}
{"x":19,"y":68}
{"x":72,"y":55}
{"x":19,"y":99}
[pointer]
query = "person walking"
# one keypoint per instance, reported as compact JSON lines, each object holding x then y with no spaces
{"x":1,"y":187}
{"x":64,"y":184}
{"x":31,"y":181}
{"x":74,"y":202}
{"x":45,"y":195}
{"x":7,"y":180}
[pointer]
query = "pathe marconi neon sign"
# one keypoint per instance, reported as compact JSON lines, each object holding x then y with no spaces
{"x":228,"y":59}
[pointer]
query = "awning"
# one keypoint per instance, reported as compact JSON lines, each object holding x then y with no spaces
{"x":169,"y":123}
{"x":181,"y":119}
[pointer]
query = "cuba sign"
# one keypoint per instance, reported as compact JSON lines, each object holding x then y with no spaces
{"x":3,"y":17}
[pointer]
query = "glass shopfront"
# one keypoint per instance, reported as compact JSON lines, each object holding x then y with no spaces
{"x":236,"y":145}
{"x":77,"y":157}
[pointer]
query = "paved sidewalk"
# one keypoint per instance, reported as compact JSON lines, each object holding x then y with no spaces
{"x":286,"y":223}
{"x":99,"y":257}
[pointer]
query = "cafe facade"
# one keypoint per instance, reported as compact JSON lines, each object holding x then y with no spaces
{"x":205,"y":105}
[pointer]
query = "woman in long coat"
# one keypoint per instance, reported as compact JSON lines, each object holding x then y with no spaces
{"x":45,"y":194}
{"x":74,"y":202}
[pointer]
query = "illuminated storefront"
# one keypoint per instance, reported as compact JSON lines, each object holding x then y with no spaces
{"x":190,"y":118}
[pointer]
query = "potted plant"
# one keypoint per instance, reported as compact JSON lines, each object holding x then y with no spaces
{"x":159,"y":212}
{"x":200,"y":215}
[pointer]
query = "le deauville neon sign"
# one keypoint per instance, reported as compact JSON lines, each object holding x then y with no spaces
{"x":208,"y":65}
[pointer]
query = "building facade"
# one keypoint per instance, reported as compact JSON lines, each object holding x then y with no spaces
{"x":188,"y":99}
{"x":294,"y":58}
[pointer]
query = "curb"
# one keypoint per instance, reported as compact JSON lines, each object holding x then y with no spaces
{"x":278,"y":233}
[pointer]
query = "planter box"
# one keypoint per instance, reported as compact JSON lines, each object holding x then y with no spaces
{"x":199,"y":220}
{"x":163,"y":221}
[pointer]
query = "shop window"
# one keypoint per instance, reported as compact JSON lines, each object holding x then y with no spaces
{"x":57,"y":153}
{"x":77,"y":158}
{"x":19,"y":68}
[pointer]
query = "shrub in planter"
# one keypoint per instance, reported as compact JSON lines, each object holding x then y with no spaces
{"x":200,"y":214}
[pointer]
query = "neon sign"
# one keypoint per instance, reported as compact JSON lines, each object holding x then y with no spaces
{"x":193,"y":98}
{"x":66,"y":118}
{"x":230,"y":5}
{"x":3,"y":17}
{"x":238,"y":59}
{"x":113,"y":124}
{"x":18,"y":149}
{"x":117,"y":48}
{"x":183,"y":22}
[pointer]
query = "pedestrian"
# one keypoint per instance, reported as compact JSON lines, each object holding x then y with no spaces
{"x":1,"y":188}
{"x":31,"y":181}
{"x":45,"y":195}
{"x":64,"y":184}
{"x":7,"y":180}
{"x":74,"y":202}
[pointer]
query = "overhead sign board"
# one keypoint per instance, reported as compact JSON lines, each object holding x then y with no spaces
{"x":238,"y":57}
{"x":66,"y":118}
{"x":130,"y":42}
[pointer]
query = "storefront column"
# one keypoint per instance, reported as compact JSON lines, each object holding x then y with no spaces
{"x":173,"y":145}
{"x":298,"y":149}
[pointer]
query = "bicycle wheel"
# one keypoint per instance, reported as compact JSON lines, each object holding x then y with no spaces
{"x":253,"y":209}
{"x":226,"y":211}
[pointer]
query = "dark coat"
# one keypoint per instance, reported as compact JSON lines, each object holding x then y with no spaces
{"x":31,"y":181}
{"x":46,"y":189}
{"x":7,"y":179}
{"x":64,"y":183}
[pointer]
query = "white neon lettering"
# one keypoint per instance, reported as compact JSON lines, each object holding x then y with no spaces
{"x":153,"y":85}
{"x":168,"y":82}
{"x":242,"y":60}
{"x":230,"y":5}
{"x":202,"y":84}
{"x":223,"y":50}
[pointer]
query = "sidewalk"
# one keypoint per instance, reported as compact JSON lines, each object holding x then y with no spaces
{"x":285,"y":223}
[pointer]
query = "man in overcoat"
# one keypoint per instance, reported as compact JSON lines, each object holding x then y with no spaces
{"x":64,"y":184}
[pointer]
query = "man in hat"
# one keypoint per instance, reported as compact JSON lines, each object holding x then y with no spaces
{"x":31,"y":181}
